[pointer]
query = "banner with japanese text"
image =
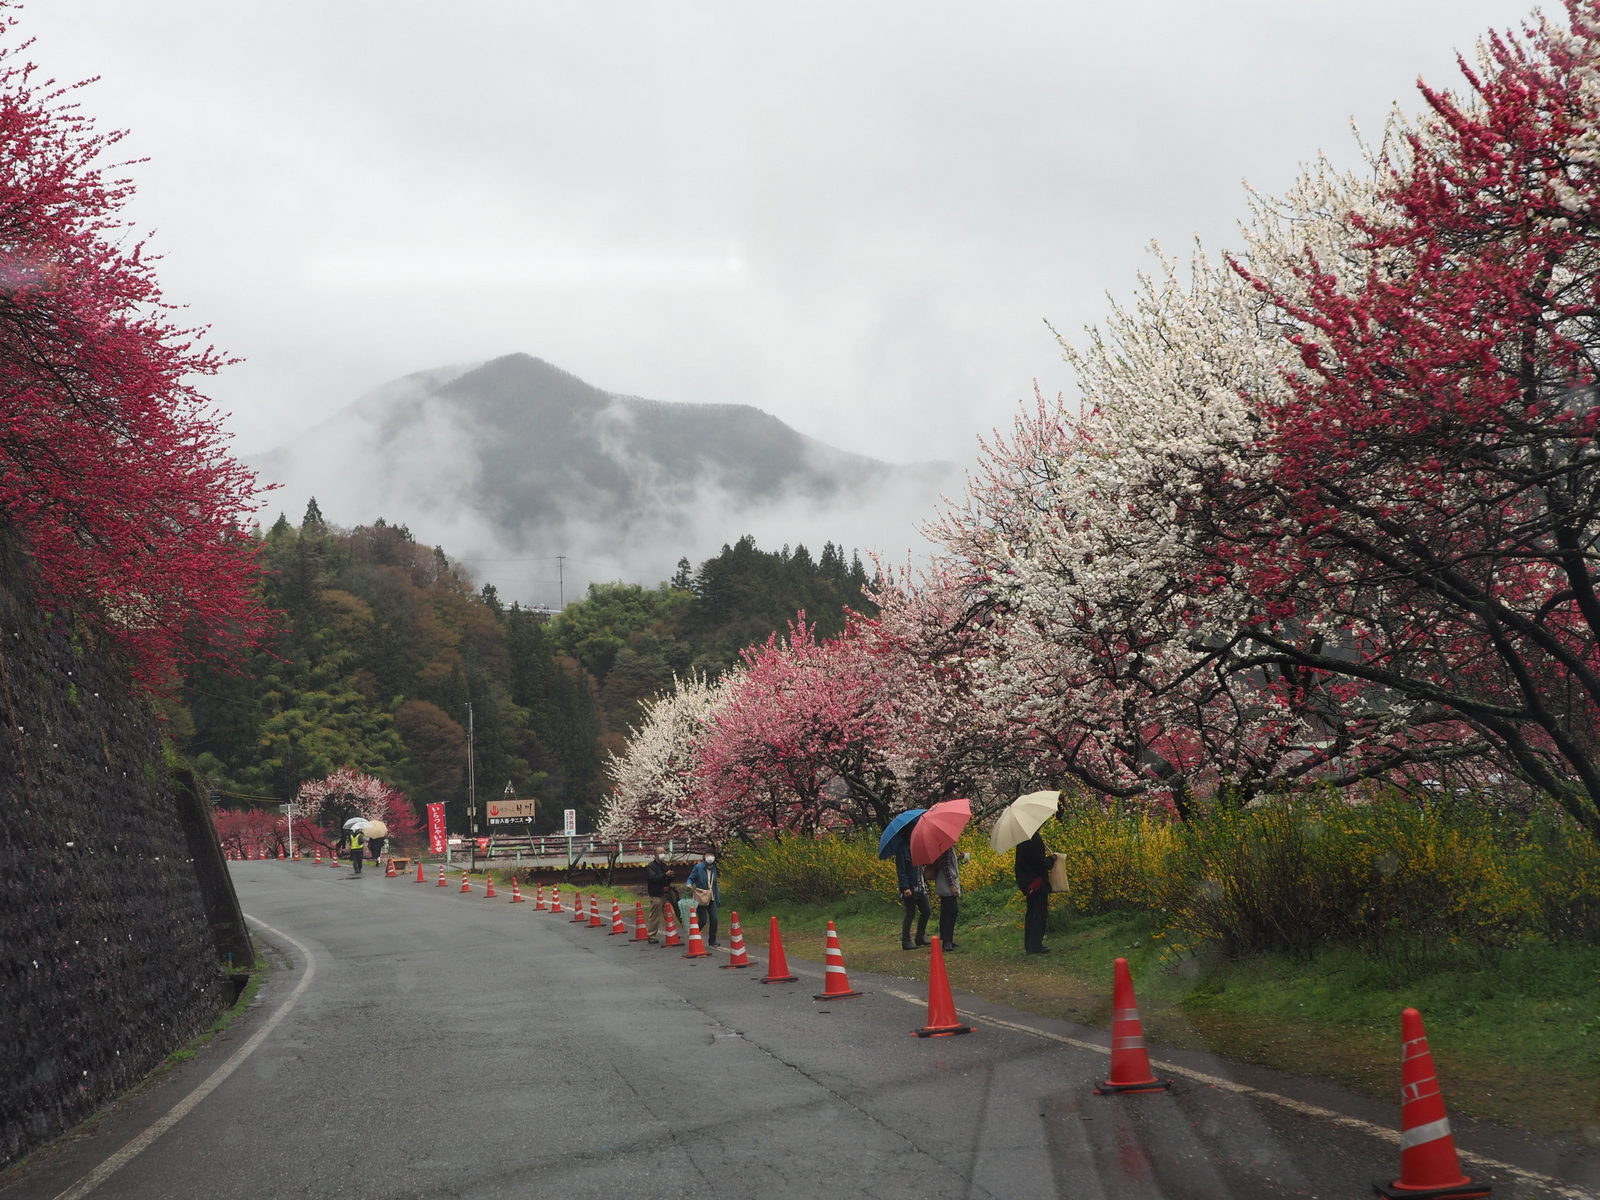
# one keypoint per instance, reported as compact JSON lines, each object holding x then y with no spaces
{"x":436,"y":833}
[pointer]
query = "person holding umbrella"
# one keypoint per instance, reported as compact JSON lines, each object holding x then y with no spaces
{"x":377,"y":833}
{"x":1019,"y":826}
{"x":933,"y":845}
{"x":913,"y":890}
{"x":354,"y":844}
{"x":913,"y":897}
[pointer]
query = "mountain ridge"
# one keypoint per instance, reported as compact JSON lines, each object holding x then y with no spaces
{"x":515,"y":456}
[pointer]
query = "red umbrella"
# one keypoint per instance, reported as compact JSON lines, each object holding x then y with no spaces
{"x":938,"y":829}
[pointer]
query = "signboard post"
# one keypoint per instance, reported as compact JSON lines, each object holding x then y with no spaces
{"x":569,"y":830}
{"x":288,"y":811}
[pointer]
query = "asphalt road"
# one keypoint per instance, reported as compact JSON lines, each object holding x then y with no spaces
{"x":419,"y":1042}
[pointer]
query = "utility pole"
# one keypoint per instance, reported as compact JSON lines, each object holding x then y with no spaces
{"x":472,"y":781}
{"x":561,"y":582}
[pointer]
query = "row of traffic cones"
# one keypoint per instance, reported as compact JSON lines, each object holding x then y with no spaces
{"x":1430,"y":1167}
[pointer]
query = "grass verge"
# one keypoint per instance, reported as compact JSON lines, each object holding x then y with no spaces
{"x":1516,"y":1033}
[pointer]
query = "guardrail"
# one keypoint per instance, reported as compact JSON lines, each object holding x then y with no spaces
{"x":572,"y":851}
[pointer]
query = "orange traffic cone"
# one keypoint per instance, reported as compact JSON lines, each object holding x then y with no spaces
{"x":1130,"y":1062}
{"x":577,"y":907}
{"x":466,"y":882}
{"x":617,"y":924}
{"x":281,"y":853}
{"x":295,"y":857}
{"x":333,"y":861}
{"x":516,"y":892}
{"x":594,"y":912}
{"x":420,"y":877}
{"x":1429,"y":1166}
{"x":640,"y":933}
{"x":442,"y":883}
{"x":317,"y":861}
{"x":835,"y":983}
{"x":390,"y":873}
{"x":737,"y":956}
{"x":672,"y":930}
{"x":777,"y":961}
{"x":488,"y":886}
{"x":555,"y":900}
{"x":942,"y":1020}
{"x":697,"y":945}
{"x":538,"y":898}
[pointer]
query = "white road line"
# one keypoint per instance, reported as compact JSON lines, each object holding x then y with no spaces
{"x":177,"y":1112}
{"x":1300,"y":1106}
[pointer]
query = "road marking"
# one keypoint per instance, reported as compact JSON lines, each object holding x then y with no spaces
{"x":215,"y":1080}
{"x":1300,"y":1106}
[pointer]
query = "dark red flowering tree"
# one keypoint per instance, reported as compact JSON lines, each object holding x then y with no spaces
{"x":113,"y":470}
{"x":1430,"y":522}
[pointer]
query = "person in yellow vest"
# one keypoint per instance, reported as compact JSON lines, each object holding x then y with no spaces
{"x":356,"y":844}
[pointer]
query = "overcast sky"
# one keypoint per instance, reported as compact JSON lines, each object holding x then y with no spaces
{"x":855,"y":216}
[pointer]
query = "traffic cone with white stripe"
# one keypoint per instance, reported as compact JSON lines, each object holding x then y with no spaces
{"x":594,"y":912}
{"x":697,"y":945}
{"x":516,"y":892}
{"x":421,"y":878}
{"x":295,"y":857}
{"x":835,"y":983}
{"x":442,"y":882}
{"x":737,"y":955}
{"x":640,"y":933}
{"x":333,"y":861}
{"x":1429,"y":1166}
{"x":555,"y":900}
{"x":390,"y":872}
{"x":577,"y":908}
{"x":281,"y":853}
{"x":538,"y":898}
{"x":466,"y":882}
{"x":942,"y":1020}
{"x":1130,"y":1061}
{"x":488,"y":886}
{"x":617,"y":924}
{"x":317,"y":861}
{"x":672,"y":930}
{"x":777,"y":961}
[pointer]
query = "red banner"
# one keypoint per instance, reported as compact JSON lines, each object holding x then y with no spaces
{"x":436,"y":834}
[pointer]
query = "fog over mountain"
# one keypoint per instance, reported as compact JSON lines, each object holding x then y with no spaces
{"x":511,"y":463}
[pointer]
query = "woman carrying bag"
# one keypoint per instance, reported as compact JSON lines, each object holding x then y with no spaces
{"x":1033,"y":881}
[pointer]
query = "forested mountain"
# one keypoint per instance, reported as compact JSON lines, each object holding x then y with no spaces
{"x":384,"y":643}
{"x":515,"y":459}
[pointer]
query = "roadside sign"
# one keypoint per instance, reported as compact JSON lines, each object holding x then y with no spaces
{"x":511,"y":812}
{"x":569,"y":825}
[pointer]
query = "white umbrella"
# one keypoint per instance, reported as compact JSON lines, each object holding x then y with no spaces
{"x":354,"y":821}
{"x":1022,"y":818}
{"x":377,"y":829}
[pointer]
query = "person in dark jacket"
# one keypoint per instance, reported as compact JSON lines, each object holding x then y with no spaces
{"x":657,"y":881}
{"x":1033,"y":881}
{"x":913,"y":897}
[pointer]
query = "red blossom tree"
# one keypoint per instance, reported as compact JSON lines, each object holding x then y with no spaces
{"x":112,"y":466}
{"x":798,"y":741}
{"x":1430,"y":521}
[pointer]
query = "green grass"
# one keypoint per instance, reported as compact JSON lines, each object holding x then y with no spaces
{"x":1516,"y":1036}
{"x":1515,"y":1032}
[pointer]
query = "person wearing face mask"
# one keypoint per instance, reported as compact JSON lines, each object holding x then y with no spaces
{"x":657,"y":883}
{"x":702,"y":883}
